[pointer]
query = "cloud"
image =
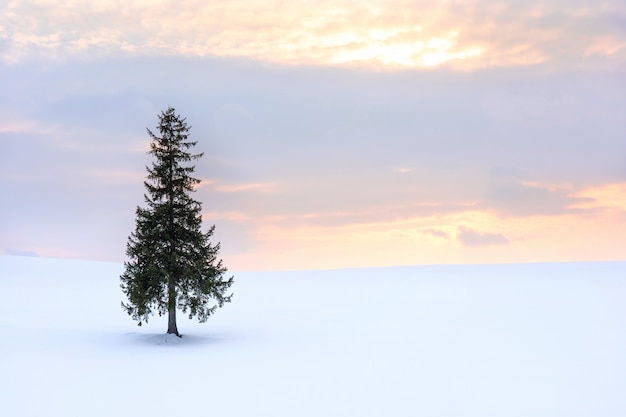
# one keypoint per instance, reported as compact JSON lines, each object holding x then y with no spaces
{"x":330,"y":142}
{"x":611,"y":197}
{"x":516,"y":198}
{"x":235,"y":188}
{"x":20,"y":252}
{"x":436,"y":233}
{"x":469,"y":237}
{"x":380,"y":34}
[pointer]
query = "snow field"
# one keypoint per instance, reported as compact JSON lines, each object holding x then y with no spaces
{"x":499,"y":340}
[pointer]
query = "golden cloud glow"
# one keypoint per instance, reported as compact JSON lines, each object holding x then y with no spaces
{"x":595,"y":235}
{"x":379,"y":34}
{"x":412,"y":241}
{"x":608,"y":196}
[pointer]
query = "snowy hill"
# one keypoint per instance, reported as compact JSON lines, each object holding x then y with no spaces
{"x":502,"y":340}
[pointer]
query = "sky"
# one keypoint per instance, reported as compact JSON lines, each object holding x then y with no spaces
{"x":336,"y":134}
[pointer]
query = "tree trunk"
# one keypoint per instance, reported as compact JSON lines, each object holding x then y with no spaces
{"x":171,"y":305}
{"x":171,"y":322}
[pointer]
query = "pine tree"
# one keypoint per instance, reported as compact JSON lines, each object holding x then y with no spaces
{"x":171,"y":262}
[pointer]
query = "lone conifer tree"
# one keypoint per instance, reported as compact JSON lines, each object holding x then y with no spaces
{"x":171,"y":261}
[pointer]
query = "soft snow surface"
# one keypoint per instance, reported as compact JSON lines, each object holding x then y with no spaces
{"x":502,"y":340}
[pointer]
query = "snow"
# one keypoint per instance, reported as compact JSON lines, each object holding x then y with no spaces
{"x":498,"y":340}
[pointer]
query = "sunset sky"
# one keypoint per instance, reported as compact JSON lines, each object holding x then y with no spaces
{"x":336,"y":133}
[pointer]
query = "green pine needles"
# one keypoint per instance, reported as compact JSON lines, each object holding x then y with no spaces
{"x":171,"y":262}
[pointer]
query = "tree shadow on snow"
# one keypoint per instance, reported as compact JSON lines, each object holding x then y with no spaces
{"x":163,"y":339}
